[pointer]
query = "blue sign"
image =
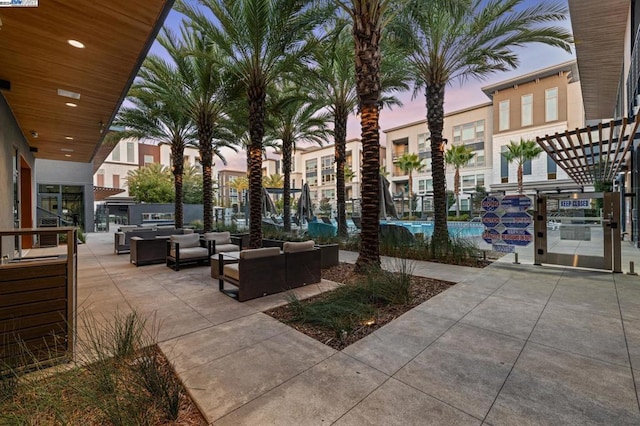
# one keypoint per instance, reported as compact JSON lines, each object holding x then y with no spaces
{"x":490,"y":204}
{"x":517,"y":237}
{"x":518,"y":220}
{"x":490,"y":220}
{"x":516,"y":202}
{"x":491,"y":236}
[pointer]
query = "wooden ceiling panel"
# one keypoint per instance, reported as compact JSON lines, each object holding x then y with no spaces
{"x":36,"y":58}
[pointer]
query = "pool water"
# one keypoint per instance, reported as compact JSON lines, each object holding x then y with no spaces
{"x":456,"y":229}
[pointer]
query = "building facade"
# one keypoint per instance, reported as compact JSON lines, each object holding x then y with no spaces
{"x":542,"y":102}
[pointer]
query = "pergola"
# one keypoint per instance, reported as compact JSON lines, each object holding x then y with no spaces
{"x":593,"y":154}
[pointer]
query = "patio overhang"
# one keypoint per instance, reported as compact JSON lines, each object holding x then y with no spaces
{"x":599,"y":44}
{"x":102,"y":192}
{"x":38,"y":61}
{"x":593,"y":154}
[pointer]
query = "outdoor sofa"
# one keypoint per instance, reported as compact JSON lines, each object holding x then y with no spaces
{"x":187,"y":249}
{"x":122,"y":239}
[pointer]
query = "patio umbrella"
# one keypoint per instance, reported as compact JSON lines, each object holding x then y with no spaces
{"x":268,"y":206}
{"x":387,"y":208}
{"x":305,"y":206}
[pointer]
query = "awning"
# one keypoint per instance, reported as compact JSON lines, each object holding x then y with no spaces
{"x":102,"y":192}
{"x":592,"y":154}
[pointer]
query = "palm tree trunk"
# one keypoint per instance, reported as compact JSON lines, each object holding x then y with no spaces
{"x":340,"y":134}
{"x":410,"y":192}
{"x":177,"y":154}
{"x":520,"y":178}
{"x":435,"y":120}
{"x":366,"y":33}
{"x":287,"y":147}
{"x":456,"y":188}
{"x":205,"y":134}
{"x":256,"y":132}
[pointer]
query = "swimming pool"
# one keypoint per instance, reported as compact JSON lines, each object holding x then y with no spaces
{"x":456,"y":229}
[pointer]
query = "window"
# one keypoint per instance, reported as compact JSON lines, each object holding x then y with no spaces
{"x":115,"y":155}
{"x":116,"y":181}
{"x":148,"y":159}
{"x":130,"y":153}
{"x":329,"y":193}
{"x":312,"y":180}
{"x":504,"y":166}
{"x":526,"y":103}
{"x":552,"y":168}
{"x":425,"y":185}
{"x":480,"y":180}
{"x":311,"y":167}
{"x":503,"y":115}
{"x":100,"y":177}
{"x":328,"y":175}
{"x":526,"y":167}
{"x":551,"y":104}
{"x":468,"y":182}
{"x":423,"y":144}
{"x":471,"y":135}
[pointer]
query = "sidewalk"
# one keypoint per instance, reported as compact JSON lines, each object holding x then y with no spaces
{"x":510,"y":344}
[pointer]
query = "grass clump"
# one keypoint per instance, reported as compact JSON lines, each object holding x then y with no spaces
{"x":120,"y":378}
{"x":355,"y":305}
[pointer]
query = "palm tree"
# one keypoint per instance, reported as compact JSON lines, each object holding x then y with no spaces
{"x":294,"y":120}
{"x":458,"y":40}
{"x":369,"y":17}
{"x":159,"y":112}
{"x":458,"y":156}
{"x":198,"y":62}
{"x":273,"y":181}
{"x":409,"y":163}
{"x":262,"y":40}
{"x":521,"y":152}
{"x":334,"y":86}
{"x":240,"y":184}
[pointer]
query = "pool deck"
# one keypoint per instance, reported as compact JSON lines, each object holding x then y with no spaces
{"x":509,"y":344}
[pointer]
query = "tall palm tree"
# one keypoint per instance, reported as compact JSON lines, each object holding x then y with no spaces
{"x":294,"y":120}
{"x":198,"y":62}
{"x":409,"y":163}
{"x":262,"y":40}
{"x":369,"y":17}
{"x":159,"y":112}
{"x":459,"y":40}
{"x":334,"y":86}
{"x":521,"y":152}
{"x":458,"y":156}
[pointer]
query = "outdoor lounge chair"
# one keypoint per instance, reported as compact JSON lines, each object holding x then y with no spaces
{"x":222,"y":242}
{"x":187,"y":249}
{"x":303,"y":263}
{"x":257,"y":273}
{"x":395,"y":235}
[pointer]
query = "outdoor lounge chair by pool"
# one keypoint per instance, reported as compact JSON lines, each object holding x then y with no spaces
{"x":257,"y":273}
{"x":303,"y":263}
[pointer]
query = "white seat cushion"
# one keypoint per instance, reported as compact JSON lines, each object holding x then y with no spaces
{"x":232,"y":271}
{"x":186,"y":240}
{"x":223,"y":248}
{"x":295,"y":247}
{"x":191,"y":252}
{"x":218,"y":237}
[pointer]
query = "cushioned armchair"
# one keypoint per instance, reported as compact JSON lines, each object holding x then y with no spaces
{"x":303,"y":263}
{"x":222,"y":242}
{"x":257,"y":273}
{"x":187,"y":249}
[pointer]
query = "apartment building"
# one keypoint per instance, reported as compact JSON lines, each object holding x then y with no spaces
{"x":228,"y":196}
{"x":542,"y":102}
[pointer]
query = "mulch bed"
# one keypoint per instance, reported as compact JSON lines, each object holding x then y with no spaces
{"x":422,"y":289}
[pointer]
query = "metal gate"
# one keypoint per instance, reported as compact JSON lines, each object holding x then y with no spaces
{"x":579,"y":230}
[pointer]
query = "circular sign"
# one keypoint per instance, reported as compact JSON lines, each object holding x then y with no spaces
{"x":490,"y":204}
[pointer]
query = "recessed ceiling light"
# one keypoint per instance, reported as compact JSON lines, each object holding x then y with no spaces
{"x":66,"y":150}
{"x":69,"y":138}
{"x":67,"y":155}
{"x":68,"y":94}
{"x":76,"y":43}
{"x":71,"y":104}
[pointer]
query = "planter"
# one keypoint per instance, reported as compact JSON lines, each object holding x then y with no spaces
{"x":329,"y":254}
{"x":267,"y":242}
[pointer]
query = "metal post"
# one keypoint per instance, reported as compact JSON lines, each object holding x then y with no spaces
{"x":632,"y":269}
{"x":515,"y":262}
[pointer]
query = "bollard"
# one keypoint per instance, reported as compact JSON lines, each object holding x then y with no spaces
{"x":515,"y":262}
{"x":631,"y":268}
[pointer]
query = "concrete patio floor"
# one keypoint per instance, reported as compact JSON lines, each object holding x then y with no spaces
{"x":509,"y":344}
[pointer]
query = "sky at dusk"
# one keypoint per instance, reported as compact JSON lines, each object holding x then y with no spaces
{"x":458,"y":95}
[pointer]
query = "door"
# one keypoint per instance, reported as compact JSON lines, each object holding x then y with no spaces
{"x":579,"y":229}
